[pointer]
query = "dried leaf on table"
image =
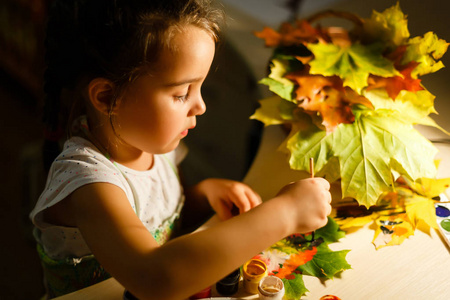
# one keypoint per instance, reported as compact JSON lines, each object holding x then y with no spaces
{"x":299,"y":255}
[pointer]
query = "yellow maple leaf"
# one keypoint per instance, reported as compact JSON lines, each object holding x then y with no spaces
{"x":430,"y":187}
{"x":348,"y":223}
{"x":392,"y":231}
{"x":269,"y":111}
{"x":421,"y":209}
{"x":389,"y":27}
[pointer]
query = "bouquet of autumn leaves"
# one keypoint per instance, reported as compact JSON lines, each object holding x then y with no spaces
{"x":350,"y":99}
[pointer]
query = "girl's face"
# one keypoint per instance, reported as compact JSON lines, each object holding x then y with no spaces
{"x":158,"y":109}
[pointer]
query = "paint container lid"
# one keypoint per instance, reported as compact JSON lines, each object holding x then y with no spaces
{"x":229,"y":284}
{"x":254,"y":268}
{"x":271,"y":287}
{"x":253,"y":271}
{"x":232,"y":277}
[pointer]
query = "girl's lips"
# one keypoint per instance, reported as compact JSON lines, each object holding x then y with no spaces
{"x":185,"y":132}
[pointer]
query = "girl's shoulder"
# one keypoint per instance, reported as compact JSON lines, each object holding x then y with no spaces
{"x":79,"y":163}
{"x":78,"y":150}
{"x":80,"y":146}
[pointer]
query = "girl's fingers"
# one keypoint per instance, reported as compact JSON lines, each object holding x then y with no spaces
{"x":239,"y":198}
{"x":254,"y":198}
{"x":324,"y":182}
{"x":223,"y":210}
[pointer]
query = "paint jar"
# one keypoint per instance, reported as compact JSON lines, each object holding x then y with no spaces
{"x":205,"y":293}
{"x":229,"y":285}
{"x":271,"y":288}
{"x":253,"y":271}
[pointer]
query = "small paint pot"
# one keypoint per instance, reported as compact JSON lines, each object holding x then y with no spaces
{"x":253,"y":271}
{"x":229,"y":285}
{"x":205,"y":293}
{"x":271,"y":288}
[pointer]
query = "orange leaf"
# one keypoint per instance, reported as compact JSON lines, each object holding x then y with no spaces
{"x":397,"y":55}
{"x":326,"y":97}
{"x":271,"y":37}
{"x":289,"y":34}
{"x":394,"y":85}
{"x":294,"y":261}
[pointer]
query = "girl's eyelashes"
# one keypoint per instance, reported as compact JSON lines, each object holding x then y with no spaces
{"x":183,"y":98}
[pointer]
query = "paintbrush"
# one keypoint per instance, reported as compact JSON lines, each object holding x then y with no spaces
{"x":311,"y":171}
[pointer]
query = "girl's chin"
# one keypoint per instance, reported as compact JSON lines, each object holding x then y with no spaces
{"x":184,"y":133}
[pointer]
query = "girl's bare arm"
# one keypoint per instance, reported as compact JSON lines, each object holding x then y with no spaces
{"x":192,"y":262}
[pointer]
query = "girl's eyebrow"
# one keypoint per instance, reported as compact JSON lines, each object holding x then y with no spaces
{"x":183,"y":82}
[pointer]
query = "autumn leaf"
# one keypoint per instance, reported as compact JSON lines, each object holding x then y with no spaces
{"x":351,"y":100}
{"x":325,"y":98}
{"x":392,"y":231}
{"x":330,"y":233}
{"x":295,"y":287}
{"x":353,"y":64}
{"x":430,"y":187}
{"x":276,"y":81}
{"x":367,"y":151}
{"x":389,"y":27}
{"x":409,"y":107}
{"x":394,"y":85}
{"x":289,"y":34}
{"x":294,"y":261}
{"x":269,"y":111}
{"x":409,"y":207}
{"x":421,"y":209}
{"x":285,"y":258}
{"x":310,"y":87}
{"x":351,"y":222}
{"x":271,"y":37}
{"x":276,"y":110}
{"x":426,"y":51}
{"x":326,"y":263}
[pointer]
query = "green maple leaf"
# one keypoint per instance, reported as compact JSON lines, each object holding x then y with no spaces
{"x":330,"y":233}
{"x":276,"y":82}
{"x":294,"y":288}
{"x":352,"y":64}
{"x":367,"y":152}
{"x":427,"y":51}
{"x":326,"y":263}
{"x":418,"y":105}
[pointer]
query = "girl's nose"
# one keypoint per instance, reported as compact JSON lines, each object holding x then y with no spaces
{"x":199,"y":106}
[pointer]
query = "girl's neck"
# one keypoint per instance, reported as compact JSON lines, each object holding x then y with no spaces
{"x":119,"y":151}
{"x":131,"y":158}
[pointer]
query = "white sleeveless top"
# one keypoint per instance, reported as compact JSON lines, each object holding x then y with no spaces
{"x":156,"y":195}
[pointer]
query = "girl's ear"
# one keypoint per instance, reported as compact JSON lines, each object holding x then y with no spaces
{"x":100,"y":94}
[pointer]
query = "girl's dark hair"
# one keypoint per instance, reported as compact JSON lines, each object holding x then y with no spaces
{"x":114,"y":39}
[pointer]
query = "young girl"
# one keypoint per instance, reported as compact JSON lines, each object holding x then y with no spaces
{"x":130,"y":72}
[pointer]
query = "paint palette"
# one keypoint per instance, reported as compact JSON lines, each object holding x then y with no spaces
{"x":443,"y":218}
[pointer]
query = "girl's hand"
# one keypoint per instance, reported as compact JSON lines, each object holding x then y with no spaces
{"x":307,"y":203}
{"x":223,"y":195}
